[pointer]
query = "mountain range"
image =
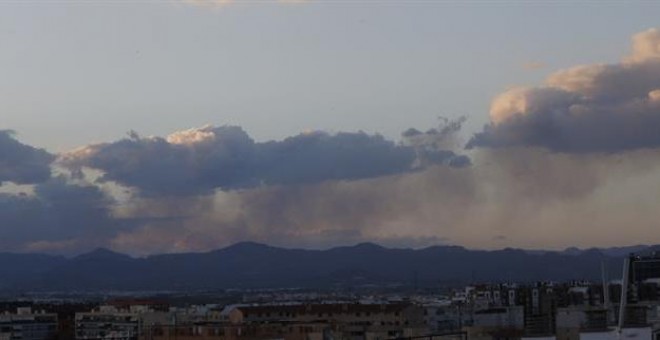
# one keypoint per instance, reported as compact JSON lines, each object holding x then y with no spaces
{"x":254,"y":265}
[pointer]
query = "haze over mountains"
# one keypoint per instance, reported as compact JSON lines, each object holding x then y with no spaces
{"x":253,"y":265}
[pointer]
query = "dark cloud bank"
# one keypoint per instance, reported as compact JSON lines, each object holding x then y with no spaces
{"x":74,"y":211}
{"x":198,"y":161}
{"x":58,"y":217}
{"x":20,"y":163}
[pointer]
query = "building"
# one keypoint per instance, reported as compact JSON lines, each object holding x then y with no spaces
{"x":540,"y":302}
{"x":352,"y":321}
{"x":497,"y":323}
{"x":120,"y":319}
{"x":27,"y":325}
{"x":107,"y":325}
{"x":574,"y":320}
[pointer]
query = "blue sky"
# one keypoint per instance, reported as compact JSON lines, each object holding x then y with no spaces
{"x":76,"y":72}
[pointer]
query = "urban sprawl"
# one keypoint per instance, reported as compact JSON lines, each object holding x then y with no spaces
{"x":623,"y":308}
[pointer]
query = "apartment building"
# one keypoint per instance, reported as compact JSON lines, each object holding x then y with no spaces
{"x":28,"y":325}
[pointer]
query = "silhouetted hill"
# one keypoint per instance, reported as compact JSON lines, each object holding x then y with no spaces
{"x":254,"y":265}
{"x":102,"y":254}
{"x":16,"y":269}
{"x":612,"y":251}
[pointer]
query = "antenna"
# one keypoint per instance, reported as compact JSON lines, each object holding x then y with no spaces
{"x":624,"y":292}
{"x":606,"y":289}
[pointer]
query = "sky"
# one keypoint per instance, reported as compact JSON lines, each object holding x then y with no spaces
{"x":76,"y":72}
{"x":168,"y":126}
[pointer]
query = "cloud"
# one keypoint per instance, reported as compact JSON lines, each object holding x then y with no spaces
{"x":646,"y":46}
{"x":20,"y":163}
{"x":412,"y":209}
{"x":198,"y":161}
{"x":536,"y":198}
{"x":179,"y":166}
{"x":587,"y":108}
{"x":59,"y":217}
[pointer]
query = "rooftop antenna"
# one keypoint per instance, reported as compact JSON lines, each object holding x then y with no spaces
{"x":624,"y":293}
{"x":606,"y":290}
